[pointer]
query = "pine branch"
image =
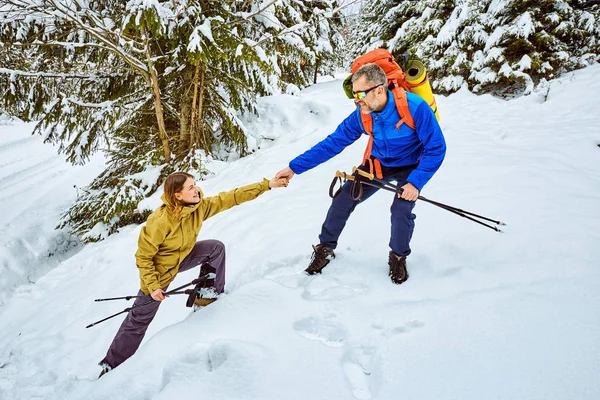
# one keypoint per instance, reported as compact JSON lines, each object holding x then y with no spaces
{"x":246,"y":18}
{"x":65,"y":13}
{"x":71,"y":44}
{"x":316,"y":16}
{"x":52,"y":74}
{"x":585,"y":4}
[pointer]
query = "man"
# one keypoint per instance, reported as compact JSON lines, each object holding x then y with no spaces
{"x":408,"y":156}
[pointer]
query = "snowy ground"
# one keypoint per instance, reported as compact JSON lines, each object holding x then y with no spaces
{"x":483,"y":315}
{"x":36,"y":186}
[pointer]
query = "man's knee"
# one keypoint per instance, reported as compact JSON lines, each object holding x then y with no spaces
{"x":403,"y":209}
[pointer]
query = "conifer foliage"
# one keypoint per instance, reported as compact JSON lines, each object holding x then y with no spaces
{"x":157,"y":85}
{"x":501,"y":46}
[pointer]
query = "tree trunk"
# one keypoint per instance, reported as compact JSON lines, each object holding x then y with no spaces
{"x":162,"y":131}
{"x":203,"y":142}
{"x":187,"y":107}
{"x":316,"y":71}
{"x":194,"y":124}
{"x":184,"y":127}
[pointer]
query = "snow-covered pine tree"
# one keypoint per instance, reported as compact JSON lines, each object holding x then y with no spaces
{"x":306,"y":36}
{"x":499,"y":46}
{"x":158,"y":85}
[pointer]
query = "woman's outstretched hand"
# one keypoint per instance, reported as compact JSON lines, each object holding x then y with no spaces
{"x":278,"y":182}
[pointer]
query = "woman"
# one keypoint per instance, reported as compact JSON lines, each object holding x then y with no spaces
{"x":167,"y":245}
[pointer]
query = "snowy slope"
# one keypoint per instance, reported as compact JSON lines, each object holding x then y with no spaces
{"x":483,"y":315}
{"x":36,"y":187}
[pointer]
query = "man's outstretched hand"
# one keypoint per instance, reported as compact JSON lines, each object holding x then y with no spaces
{"x":286,"y":173}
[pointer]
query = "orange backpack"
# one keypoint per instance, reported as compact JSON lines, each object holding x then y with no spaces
{"x":398,"y":85}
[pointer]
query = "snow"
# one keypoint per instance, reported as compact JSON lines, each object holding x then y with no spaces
{"x":204,"y":30}
{"x":483,"y":315}
{"x":36,"y":187}
{"x":495,"y":37}
{"x":497,"y":6}
{"x":524,"y":63}
{"x":523,"y":26}
{"x":448,"y":31}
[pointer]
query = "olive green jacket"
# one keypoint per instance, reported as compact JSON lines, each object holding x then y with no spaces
{"x":165,"y":240}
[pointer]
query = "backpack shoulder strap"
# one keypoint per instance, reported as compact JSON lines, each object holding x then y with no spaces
{"x":374,"y":164}
{"x":402,"y":106}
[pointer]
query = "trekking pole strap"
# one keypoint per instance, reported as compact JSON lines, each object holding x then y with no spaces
{"x":339,"y":175}
{"x":335,"y":194}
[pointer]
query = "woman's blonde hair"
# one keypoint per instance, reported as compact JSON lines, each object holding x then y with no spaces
{"x":174,"y":184}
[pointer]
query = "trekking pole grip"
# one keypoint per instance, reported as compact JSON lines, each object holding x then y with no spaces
{"x":363,"y":173}
{"x":340,"y":174}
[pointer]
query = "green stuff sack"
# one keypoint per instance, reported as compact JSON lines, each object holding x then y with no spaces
{"x":347,"y":85}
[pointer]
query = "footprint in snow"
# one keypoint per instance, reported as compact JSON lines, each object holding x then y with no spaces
{"x":326,"y":330}
{"x":333,"y":287}
{"x":288,"y":273}
{"x":361,"y":366}
{"x":407,"y":327}
{"x":223,"y":358}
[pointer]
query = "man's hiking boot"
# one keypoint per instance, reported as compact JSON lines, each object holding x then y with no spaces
{"x":105,"y":368}
{"x":398,"y":272}
{"x":320,"y":258}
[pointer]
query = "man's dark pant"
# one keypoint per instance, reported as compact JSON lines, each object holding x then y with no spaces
{"x":133,"y":328}
{"x":403,"y":220}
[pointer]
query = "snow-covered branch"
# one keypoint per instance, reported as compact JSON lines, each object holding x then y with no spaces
{"x":29,"y":74}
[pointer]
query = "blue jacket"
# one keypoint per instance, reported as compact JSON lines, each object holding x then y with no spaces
{"x":393,"y":147}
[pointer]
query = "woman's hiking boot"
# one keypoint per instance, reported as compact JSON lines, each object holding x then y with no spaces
{"x":320,"y":258}
{"x":398,"y":273}
{"x":205,"y":297}
{"x":105,"y":368}
{"x":203,"y":302}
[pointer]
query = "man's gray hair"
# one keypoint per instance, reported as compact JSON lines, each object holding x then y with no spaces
{"x":374,"y":74}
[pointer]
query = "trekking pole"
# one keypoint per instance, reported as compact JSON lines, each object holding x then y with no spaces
{"x":210,"y":275}
{"x":436,"y":203}
{"x":196,"y":281}
{"x":120,"y":298}
{"x":441,"y":205}
{"x":382,"y":184}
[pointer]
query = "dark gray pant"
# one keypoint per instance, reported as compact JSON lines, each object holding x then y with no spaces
{"x":132,"y":330}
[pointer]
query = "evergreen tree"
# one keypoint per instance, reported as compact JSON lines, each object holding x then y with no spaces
{"x":306,"y":36}
{"x":157,"y":85}
{"x":499,"y":46}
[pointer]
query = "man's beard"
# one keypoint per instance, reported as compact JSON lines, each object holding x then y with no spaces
{"x":367,"y":109}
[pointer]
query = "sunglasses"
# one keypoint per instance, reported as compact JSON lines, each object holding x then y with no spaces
{"x":363,"y":93}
